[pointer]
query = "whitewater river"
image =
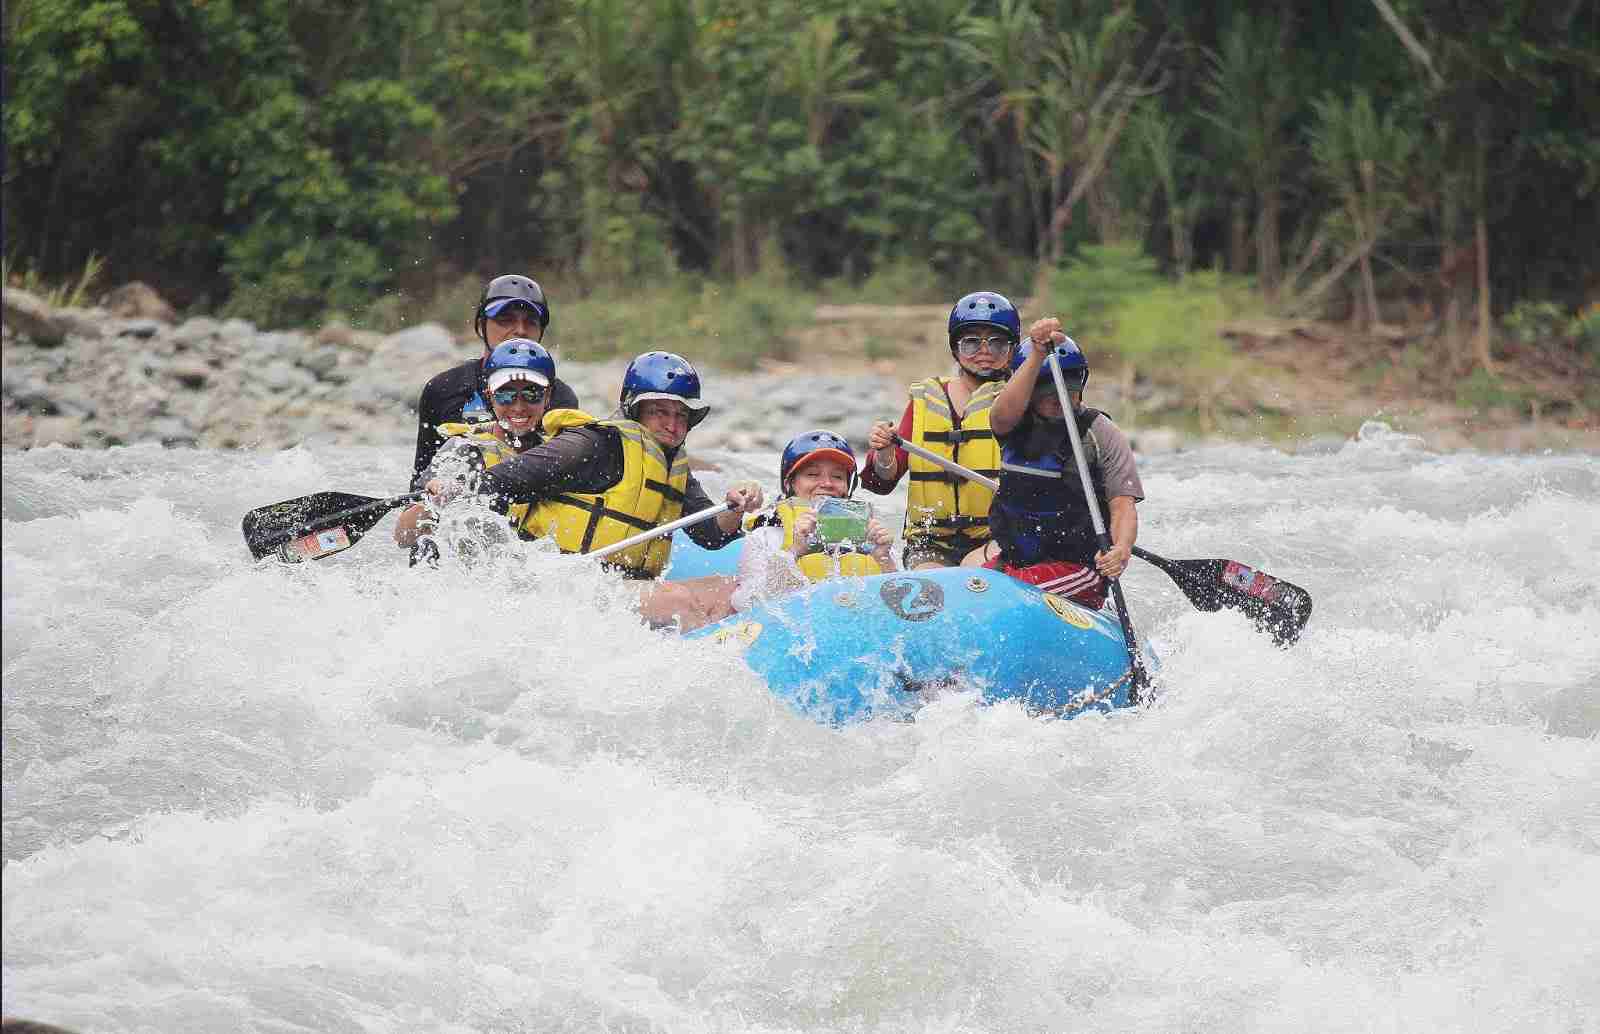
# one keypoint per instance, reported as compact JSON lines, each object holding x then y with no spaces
{"x":353,"y":796}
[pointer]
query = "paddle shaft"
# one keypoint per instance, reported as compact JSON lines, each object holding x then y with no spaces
{"x":663,"y":529}
{"x":384,"y":505}
{"x":951,"y":465}
{"x":1141,"y":678}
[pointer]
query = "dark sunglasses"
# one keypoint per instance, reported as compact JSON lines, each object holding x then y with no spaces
{"x":533,"y":394}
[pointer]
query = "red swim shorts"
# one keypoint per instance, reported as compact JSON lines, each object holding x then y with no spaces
{"x":1076,"y":582}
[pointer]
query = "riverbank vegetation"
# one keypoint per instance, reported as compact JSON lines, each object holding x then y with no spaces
{"x":1423,"y":173}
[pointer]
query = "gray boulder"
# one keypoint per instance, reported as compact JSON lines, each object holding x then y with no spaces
{"x":138,"y":300}
{"x":27,"y":315}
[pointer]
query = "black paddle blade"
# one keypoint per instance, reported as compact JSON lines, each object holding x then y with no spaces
{"x":1278,"y":607}
{"x":312,"y":526}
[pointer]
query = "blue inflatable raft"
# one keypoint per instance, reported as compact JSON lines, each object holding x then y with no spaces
{"x":692,"y":561}
{"x":849,"y":649}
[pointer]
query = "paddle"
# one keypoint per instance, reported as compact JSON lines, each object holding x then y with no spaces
{"x":1141,"y":677}
{"x":317,"y":525}
{"x":1278,"y":607}
{"x":663,"y":529}
{"x":314,"y":526}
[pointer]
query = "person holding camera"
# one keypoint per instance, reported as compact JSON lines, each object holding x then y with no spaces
{"x":807,"y":536}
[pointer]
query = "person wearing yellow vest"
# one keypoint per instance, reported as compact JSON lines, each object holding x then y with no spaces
{"x":782,"y":551}
{"x":947,"y":516}
{"x":596,"y":482}
{"x":518,"y":374}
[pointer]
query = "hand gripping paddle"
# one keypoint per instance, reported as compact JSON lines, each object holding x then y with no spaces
{"x":1278,"y":607}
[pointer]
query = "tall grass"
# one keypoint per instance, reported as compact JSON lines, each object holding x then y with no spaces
{"x":71,"y":295}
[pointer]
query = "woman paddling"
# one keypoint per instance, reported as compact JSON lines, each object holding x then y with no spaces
{"x":946,"y":516}
{"x":517,"y":376}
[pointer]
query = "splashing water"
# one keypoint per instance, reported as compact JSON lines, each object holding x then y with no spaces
{"x":351,"y":795}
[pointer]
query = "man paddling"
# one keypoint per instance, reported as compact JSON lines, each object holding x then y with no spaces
{"x":596,"y":482}
{"x":511,"y":306}
{"x":1042,"y":529}
{"x":947,"y":517}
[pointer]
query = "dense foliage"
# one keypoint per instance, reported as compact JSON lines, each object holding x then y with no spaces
{"x":285,"y":156}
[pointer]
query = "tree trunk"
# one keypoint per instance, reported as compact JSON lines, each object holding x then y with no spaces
{"x":1485,"y":358}
{"x":1267,"y":242}
{"x":1238,"y":235}
{"x":1367,"y":226}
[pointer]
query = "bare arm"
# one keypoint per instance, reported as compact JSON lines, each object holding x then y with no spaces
{"x":414,"y":522}
{"x":1124,"y":528}
{"x":1012,"y":402}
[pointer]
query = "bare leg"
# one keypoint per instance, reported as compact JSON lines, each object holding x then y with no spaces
{"x":688,"y":604}
{"x":981,"y":555}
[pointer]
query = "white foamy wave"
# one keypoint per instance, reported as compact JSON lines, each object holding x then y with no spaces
{"x":355,"y":795}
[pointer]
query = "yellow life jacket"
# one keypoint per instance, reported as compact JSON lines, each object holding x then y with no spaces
{"x":649,"y":493}
{"x":816,"y":565}
{"x":938,"y":503}
{"x":493,"y":451}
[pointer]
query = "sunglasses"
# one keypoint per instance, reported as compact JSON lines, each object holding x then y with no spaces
{"x":970,"y":345}
{"x":533,"y":394}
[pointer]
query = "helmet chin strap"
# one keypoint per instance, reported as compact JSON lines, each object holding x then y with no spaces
{"x":998,"y":373}
{"x":516,"y":439}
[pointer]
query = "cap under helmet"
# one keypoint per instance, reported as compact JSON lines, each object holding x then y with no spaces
{"x":506,"y":290}
{"x":811,"y":446}
{"x":515,"y":359}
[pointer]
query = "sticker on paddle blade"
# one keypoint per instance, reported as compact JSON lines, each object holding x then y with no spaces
{"x":1069,"y":612}
{"x":316,"y":545}
{"x":744,"y":633}
{"x":1251,"y":582}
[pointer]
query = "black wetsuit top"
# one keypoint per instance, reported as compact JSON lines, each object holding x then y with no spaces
{"x":442,"y":401}
{"x":587,"y":458}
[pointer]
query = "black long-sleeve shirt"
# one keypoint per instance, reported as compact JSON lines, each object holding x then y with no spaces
{"x":587,"y":458}
{"x":443,"y":399}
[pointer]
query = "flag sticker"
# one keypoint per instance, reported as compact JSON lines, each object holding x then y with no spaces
{"x":318,"y":544}
{"x":1250,"y":581}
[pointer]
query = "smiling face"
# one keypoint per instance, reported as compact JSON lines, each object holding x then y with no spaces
{"x":821,"y":477}
{"x":518,"y":415}
{"x":666,"y":420}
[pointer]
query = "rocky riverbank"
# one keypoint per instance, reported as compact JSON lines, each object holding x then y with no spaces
{"x":132,"y":371}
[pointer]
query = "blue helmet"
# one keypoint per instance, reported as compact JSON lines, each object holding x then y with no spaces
{"x":815,"y":445}
{"x":662,"y":375}
{"x":518,"y":359}
{"x":1074,"y":364}
{"x":985,"y":309}
{"x":505,"y":291}
{"x":514,"y":359}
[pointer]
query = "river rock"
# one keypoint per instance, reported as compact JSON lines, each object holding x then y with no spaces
{"x":30,"y":317}
{"x":138,"y":299}
{"x":426,"y":342}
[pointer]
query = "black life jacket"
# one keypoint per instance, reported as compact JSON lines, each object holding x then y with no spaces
{"x":1040,"y":512}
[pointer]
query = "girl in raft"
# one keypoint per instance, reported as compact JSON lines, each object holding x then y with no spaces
{"x":784,"y":550}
